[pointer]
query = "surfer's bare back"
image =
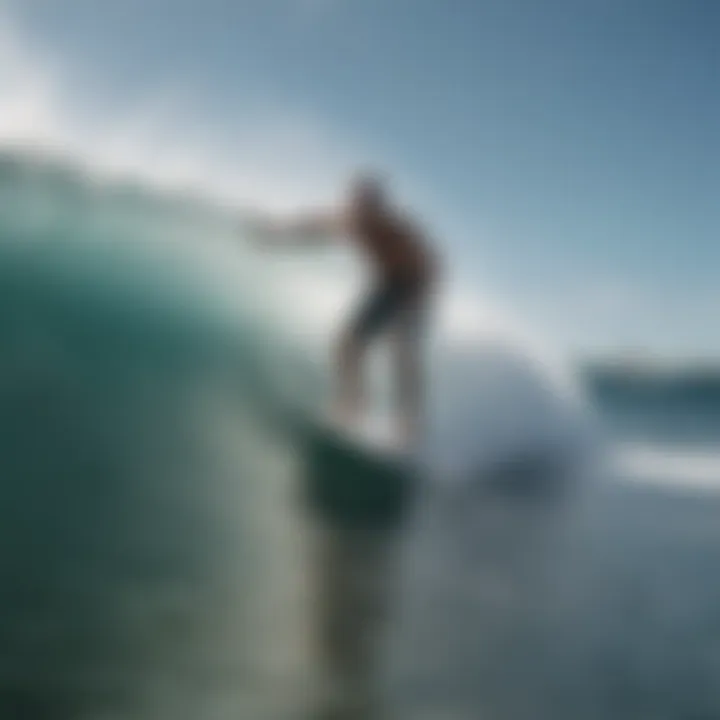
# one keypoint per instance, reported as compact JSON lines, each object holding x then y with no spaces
{"x":405,"y":271}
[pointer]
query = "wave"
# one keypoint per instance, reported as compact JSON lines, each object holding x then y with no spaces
{"x":697,"y":382}
{"x":149,"y":256}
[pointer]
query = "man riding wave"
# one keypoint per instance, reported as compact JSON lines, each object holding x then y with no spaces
{"x":405,"y":271}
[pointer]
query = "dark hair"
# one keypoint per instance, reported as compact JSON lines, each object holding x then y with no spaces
{"x":370,"y":186}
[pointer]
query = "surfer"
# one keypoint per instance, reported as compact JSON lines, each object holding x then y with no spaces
{"x":404,"y":270}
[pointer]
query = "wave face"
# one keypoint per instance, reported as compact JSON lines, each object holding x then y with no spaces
{"x":139,"y":477}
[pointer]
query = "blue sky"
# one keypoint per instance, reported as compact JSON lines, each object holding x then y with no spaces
{"x":566,"y":152}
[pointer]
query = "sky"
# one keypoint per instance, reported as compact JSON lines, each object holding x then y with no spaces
{"x":564,"y":154}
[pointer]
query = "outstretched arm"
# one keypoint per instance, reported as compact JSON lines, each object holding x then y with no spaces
{"x":311,"y":229}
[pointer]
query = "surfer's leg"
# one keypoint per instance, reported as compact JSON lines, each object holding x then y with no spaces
{"x":409,"y":370}
{"x":349,"y":381}
{"x":350,"y":390}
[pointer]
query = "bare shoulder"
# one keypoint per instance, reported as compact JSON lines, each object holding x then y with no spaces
{"x":419,"y":234}
{"x":411,"y":225}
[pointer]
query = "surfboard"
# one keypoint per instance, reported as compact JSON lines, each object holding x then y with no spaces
{"x":374,"y":434}
{"x":357,"y":475}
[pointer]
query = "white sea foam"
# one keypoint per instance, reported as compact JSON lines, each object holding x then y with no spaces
{"x":683,"y":466}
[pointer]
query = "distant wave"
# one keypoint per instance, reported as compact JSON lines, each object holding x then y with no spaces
{"x":691,"y":382}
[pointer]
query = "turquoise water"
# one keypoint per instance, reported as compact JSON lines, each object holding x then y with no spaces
{"x":139,"y":459}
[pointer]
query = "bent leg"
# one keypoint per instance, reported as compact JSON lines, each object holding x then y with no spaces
{"x":350,"y":387}
{"x":349,"y":393}
{"x":409,"y":371}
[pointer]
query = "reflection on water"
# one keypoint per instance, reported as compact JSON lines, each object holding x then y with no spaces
{"x":147,"y":574}
{"x":353,"y":576}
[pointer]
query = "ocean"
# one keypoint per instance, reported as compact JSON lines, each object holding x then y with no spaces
{"x":556,"y":558}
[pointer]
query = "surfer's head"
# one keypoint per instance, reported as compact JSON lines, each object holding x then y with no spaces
{"x":367,"y":193}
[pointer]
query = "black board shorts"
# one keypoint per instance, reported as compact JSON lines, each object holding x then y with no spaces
{"x":392,"y":304}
